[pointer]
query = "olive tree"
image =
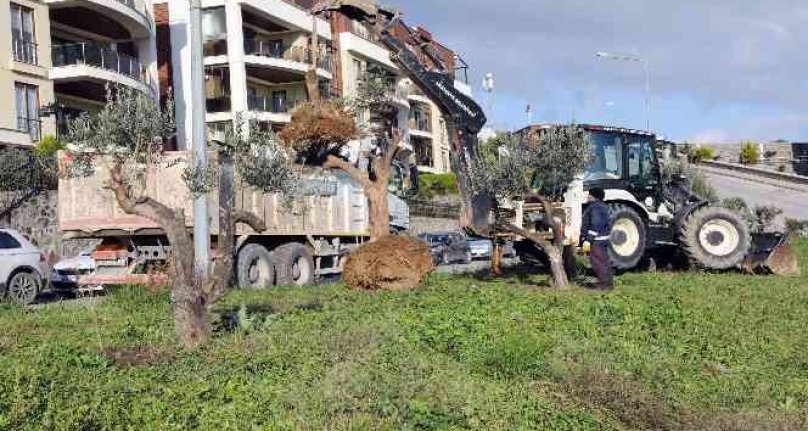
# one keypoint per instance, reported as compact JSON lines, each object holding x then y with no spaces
{"x":126,"y":138}
{"x":538,"y":167}
{"x":320,"y":132}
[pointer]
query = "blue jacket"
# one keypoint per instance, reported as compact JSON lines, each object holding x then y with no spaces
{"x":597,"y":223}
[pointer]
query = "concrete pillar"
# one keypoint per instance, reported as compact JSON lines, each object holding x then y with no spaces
{"x":235,"y":53}
{"x":179,"y":11}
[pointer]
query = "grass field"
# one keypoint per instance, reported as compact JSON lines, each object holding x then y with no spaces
{"x":665,"y":351}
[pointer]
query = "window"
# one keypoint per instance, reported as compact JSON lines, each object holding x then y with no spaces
{"x":607,"y":163}
{"x":279,"y":101}
{"x":8,"y":242}
{"x":23,"y":39}
{"x":27,"y":103}
{"x":641,"y":161}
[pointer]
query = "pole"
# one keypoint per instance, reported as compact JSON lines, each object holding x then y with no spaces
{"x":647,"y":95}
{"x":199,"y":141}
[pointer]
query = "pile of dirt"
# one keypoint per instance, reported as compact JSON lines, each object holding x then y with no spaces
{"x":391,"y":263}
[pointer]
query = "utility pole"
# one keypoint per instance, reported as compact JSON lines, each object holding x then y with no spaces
{"x":199,"y":141}
{"x":646,"y":69}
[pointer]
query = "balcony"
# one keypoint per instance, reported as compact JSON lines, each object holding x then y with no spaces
{"x":132,"y":15}
{"x":272,"y":105}
{"x":24,"y":51}
{"x":268,"y":53}
{"x":218,"y":104}
{"x":420,"y":125}
{"x":88,"y":61}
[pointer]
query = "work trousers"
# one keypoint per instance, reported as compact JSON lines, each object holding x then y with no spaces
{"x":602,"y":265}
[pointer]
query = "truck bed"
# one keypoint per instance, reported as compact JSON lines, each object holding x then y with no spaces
{"x":332,"y":205}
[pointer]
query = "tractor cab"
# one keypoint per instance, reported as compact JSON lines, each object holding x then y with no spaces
{"x":625,"y":159}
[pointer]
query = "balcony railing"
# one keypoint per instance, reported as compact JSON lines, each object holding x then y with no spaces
{"x":31,"y":126}
{"x":268,"y":104}
{"x":218,"y":104}
{"x":91,"y":54}
{"x":214,"y":47}
{"x":24,"y":51}
{"x":421,"y":124}
{"x":272,"y":49}
{"x":137,"y":6}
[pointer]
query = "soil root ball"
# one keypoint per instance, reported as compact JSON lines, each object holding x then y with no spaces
{"x":391,"y":263}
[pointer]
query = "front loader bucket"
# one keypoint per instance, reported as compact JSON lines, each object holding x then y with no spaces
{"x":771,"y":253}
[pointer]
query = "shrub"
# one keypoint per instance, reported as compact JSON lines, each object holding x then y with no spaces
{"x":701,"y":187}
{"x":49,"y":146}
{"x":797,"y":227}
{"x":750,"y":153}
{"x":431,"y":185}
{"x":702,"y":154}
{"x":781,"y":168}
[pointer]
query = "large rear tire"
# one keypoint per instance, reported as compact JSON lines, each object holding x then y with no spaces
{"x":715,"y":238}
{"x":294,"y":265}
{"x":255,"y":268}
{"x":628,"y":237}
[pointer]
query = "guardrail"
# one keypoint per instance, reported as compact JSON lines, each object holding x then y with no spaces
{"x":422,"y":208}
{"x":764,"y":173}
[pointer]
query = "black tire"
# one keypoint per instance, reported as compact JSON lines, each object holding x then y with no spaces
{"x":294,"y":265}
{"x":714,"y":238}
{"x":628,"y":237}
{"x":255,"y":268}
{"x":23,"y":287}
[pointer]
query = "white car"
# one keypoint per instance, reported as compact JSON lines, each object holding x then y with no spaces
{"x":21,"y":268}
{"x":66,"y":272}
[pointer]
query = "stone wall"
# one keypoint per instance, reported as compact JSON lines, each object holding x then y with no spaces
{"x":420,"y":225}
{"x":38,"y":220}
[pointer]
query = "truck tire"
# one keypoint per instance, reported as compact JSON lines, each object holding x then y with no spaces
{"x":23,"y":287}
{"x":714,"y":238}
{"x":255,"y":268}
{"x":628,"y":237}
{"x":294,"y":265}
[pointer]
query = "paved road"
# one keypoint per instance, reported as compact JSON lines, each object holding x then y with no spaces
{"x":792,"y":198}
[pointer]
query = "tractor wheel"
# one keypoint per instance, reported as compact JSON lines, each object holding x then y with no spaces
{"x":628,"y":237}
{"x":715,"y":238}
{"x":254,"y":267}
{"x":294,"y":265}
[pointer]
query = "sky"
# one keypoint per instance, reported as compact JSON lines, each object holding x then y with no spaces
{"x":720,"y":70}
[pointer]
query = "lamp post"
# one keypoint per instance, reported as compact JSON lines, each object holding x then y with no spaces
{"x":199,"y":140}
{"x":488,"y":87}
{"x":646,"y":68}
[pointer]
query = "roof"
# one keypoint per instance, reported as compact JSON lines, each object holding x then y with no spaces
{"x":588,"y":127}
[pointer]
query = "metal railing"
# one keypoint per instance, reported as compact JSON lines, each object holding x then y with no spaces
{"x":272,"y":49}
{"x":137,"y":6}
{"x":90,"y":54}
{"x":31,"y":126}
{"x":218,"y":104}
{"x":268,"y":104}
{"x":24,"y":51}
{"x":214,"y":47}
{"x":421,"y":124}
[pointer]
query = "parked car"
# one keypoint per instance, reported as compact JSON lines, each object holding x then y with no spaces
{"x":448,"y":248}
{"x":483,"y":248}
{"x":21,"y":268}
{"x":66,"y":272}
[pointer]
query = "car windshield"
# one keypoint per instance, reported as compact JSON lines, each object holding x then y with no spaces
{"x":437,"y":239}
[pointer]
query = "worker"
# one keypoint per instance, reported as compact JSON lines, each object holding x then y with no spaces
{"x":596,"y":229}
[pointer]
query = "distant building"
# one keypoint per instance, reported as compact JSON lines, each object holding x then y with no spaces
{"x":800,"y":151}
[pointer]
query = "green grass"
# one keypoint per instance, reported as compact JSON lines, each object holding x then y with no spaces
{"x":665,"y":351}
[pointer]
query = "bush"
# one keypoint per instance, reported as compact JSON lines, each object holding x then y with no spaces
{"x":750,"y":153}
{"x":702,"y":154}
{"x":701,"y":187}
{"x":431,"y":185}
{"x":781,"y":168}
{"x":797,"y":227}
{"x":49,"y":146}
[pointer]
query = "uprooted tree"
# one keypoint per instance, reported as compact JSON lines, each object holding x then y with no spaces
{"x":126,"y":139}
{"x":321,"y":130}
{"x":536,"y":167}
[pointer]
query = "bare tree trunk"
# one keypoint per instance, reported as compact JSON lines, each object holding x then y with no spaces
{"x":223,"y":272}
{"x":554,"y":254}
{"x":379,"y":218}
{"x":192,"y":322}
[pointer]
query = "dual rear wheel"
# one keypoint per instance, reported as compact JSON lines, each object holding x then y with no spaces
{"x":291,"y":264}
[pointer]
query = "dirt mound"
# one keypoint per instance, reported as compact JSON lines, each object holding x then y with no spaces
{"x":391,"y":263}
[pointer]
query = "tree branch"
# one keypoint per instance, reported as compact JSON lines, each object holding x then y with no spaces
{"x":362,"y":177}
{"x":250,"y":219}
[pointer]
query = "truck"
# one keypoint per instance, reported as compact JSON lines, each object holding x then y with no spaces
{"x":306,"y":237}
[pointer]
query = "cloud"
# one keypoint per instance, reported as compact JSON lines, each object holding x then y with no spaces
{"x":721,"y":55}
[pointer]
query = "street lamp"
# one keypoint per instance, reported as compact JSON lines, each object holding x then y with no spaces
{"x":488,"y":87}
{"x":646,"y":67}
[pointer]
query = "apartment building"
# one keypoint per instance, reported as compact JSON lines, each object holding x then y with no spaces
{"x":256,"y":54}
{"x":57,"y":58}
{"x":24,"y":63}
